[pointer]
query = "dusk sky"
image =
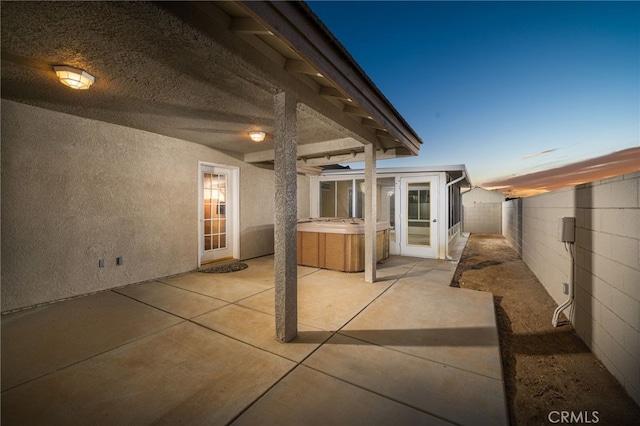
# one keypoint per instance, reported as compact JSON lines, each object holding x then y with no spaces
{"x":507,"y":88}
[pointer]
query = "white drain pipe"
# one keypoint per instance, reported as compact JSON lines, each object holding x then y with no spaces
{"x":569,"y":301}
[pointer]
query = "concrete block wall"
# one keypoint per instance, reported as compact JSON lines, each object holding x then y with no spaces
{"x":512,"y":223}
{"x":607,"y":263}
{"x":482,"y":218}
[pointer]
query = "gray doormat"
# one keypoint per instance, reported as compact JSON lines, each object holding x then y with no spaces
{"x":223,"y":269}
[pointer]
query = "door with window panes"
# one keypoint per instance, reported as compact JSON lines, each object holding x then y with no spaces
{"x":418,"y":216}
{"x":215,"y":215}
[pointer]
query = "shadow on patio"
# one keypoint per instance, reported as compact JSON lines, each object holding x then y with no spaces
{"x":200,"y":349}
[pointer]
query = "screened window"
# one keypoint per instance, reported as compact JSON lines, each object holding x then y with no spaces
{"x":342,"y":198}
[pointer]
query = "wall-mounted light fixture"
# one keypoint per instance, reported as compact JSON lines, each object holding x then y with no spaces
{"x":74,"y":78}
{"x":257,"y":136}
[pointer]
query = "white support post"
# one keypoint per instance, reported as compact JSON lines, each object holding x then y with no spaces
{"x":370,"y":213}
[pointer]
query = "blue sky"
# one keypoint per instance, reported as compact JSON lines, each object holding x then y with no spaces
{"x":507,"y":88}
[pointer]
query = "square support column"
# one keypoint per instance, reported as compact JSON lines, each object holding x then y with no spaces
{"x":285,"y":218}
{"x":370,"y":213}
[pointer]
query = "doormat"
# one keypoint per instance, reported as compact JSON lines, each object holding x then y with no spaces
{"x":223,"y":269}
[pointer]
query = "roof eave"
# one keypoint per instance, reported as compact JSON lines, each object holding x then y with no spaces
{"x":303,"y":31}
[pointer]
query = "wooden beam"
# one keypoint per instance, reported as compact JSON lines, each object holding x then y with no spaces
{"x":307,"y":150}
{"x":357,"y":111}
{"x":344,"y":158}
{"x":385,"y":135}
{"x":295,"y":65}
{"x":332,"y":92}
{"x":248,"y":26}
{"x":372,"y":124}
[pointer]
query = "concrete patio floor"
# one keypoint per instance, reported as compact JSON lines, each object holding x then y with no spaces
{"x":199,"y":349}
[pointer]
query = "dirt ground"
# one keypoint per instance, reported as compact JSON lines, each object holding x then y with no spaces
{"x":546,"y":369}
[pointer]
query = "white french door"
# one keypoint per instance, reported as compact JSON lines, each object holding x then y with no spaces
{"x":217,"y":215}
{"x":417,"y":211}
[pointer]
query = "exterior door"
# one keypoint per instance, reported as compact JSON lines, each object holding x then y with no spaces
{"x":418,"y":216}
{"x":216,"y":213}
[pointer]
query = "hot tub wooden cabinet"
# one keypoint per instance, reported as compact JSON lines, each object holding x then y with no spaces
{"x":338,"y":244}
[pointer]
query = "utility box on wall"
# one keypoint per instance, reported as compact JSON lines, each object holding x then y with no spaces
{"x":567,"y":229}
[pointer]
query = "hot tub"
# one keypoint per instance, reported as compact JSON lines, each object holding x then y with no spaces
{"x":338,"y":244}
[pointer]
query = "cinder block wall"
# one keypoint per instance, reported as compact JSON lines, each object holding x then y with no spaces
{"x":482,"y":218}
{"x":607,"y":263}
{"x":512,"y":223}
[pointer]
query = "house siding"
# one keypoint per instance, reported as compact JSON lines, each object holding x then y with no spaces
{"x":482,"y":211}
{"x":76,"y":190}
{"x":482,"y":218}
{"x":607,"y":272}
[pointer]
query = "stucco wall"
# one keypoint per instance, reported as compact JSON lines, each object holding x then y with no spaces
{"x":482,"y":218}
{"x":76,"y":190}
{"x":607,"y":271}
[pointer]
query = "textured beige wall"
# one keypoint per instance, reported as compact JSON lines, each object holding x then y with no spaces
{"x":76,"y":190}
{"x":607,"y":263}
{"x":256,"y":234}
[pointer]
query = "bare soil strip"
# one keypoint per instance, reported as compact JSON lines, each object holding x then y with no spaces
{"x":549,"y":372}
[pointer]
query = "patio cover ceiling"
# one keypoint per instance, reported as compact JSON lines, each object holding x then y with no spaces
{"x":204,"y":72}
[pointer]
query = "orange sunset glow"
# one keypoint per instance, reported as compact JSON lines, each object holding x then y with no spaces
{"x":617,"y":163}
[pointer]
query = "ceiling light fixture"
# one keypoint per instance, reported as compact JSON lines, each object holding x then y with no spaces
{"x":73,"y":77}
{"x":257,"y":136}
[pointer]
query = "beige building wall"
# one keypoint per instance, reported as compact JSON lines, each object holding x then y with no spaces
{"x":482,"y":218}
{"x":482,"y":211}
{"x":607,"y":272}
{"x":481,"y":195}
{"x":76,"y":190}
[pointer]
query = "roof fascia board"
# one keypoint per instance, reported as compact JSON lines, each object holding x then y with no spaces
{"x":265,"y":73}
{"x":302,"y":30}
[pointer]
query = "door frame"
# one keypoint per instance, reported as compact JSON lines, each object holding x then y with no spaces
{"x":431,"y":251}
{"x":233,"y":204}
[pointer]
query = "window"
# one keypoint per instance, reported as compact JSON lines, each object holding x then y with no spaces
{"x":337,"y":198}
{"x":455,"y":201}
{"x":387,"y":200}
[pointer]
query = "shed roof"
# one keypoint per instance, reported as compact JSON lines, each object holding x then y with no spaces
{"x":481,"y":195}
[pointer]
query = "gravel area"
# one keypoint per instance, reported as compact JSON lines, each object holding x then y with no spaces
{"x":548,"y":371}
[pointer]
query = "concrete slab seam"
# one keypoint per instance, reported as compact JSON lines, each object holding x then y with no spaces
{"x":93,"y":356}
{"x":390,"y":398}
{"x":168,"y":312}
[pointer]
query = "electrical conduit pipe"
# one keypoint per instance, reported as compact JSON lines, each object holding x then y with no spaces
{"x":569,"y":301}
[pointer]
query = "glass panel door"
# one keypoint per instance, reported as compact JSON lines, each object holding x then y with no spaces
{"x":215,"y":214}
{"x":419,"y":214}
{"x":214,"y":204}
{"x":416,"y":222}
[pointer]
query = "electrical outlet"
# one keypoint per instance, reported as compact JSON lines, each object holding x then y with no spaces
{"x":565,"y":288}
{"x":100,"y":263}
{"x":119,"y":261}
